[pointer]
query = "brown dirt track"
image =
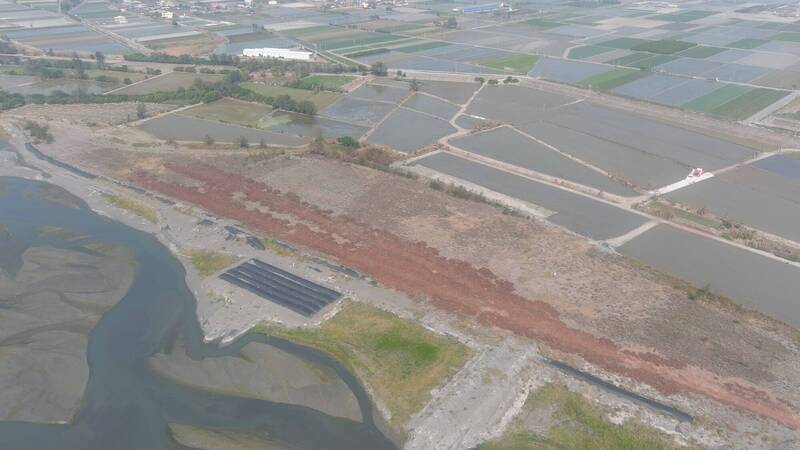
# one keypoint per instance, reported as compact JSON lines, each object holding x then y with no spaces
{"x":419,"y":270}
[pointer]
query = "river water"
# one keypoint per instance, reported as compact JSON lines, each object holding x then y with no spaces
{"x":126,"y":405}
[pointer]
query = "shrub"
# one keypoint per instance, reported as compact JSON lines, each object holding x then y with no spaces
{"x":39,"y":132}
{"x":348,"y":142}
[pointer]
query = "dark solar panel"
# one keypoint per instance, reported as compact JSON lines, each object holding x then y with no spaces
{"x":279,"y":286}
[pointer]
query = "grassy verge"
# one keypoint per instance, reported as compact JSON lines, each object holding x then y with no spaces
{"x":147,"y":213}
{"x":398,"y":359}
{"x":574,"y":423}
{"x":320,"y":99}
{"x":325,"y":82}
{"x":229,"y":110}
{"x":463,"y":193}
{"x":665,"y":46}
{"x":669,"y":212}
{"x":207,"y":262}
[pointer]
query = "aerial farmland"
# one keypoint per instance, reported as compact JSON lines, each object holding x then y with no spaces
{"x":399,"y":225}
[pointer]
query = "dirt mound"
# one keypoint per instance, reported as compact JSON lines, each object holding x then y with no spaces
{"x":419,"y":270}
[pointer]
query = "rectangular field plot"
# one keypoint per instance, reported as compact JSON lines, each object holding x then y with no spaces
{"x":508,"y":146}
{"x":612,"y":140}
{"x":310,"y":126}
{"x":761,"y":198}
{"x":408,"y":131}
{"x":514,"y":104}
{"x":230,"y":110}
{"x":688,"y":66}
{"x":779,"y":79}
{"x":649,"y":86}
{"x":748,"y":104}
{"x":433,"y":106}
{"x":456,"y":92}
{"x":358,"y":111}
{"x":582,"y":215}
{"x":714,"y":100}
{"x":566,"y":71}
{"x":686,"y":92}
{"x":320,"y":99}
{"x":377,"y":92}
{"x":279,"y":286}
{"x":738,"y":73}
{"x":612,"y":79}
{"x":185,"y":128}
{"x":751,"y":280}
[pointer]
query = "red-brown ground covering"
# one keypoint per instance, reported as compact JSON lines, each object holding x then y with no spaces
{"x":416,"y":269}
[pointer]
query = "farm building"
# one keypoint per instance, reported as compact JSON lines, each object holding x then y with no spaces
{"x":477,"y":9}
{"x":281,"y":53}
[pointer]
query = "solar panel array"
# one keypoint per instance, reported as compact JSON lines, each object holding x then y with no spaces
{"x":279,"y":286}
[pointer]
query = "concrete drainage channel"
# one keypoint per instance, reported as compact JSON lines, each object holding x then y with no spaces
{"x":632,"y":396}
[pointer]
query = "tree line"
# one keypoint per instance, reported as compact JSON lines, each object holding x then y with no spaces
{"x":199,"y":92}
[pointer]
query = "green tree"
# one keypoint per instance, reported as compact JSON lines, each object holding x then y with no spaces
{"x":100,"y":58}
{"x":378,"y":68}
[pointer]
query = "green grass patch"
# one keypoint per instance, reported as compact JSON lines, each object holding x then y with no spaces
{"x":664,"y":46}
{"x":587,"y":51}
{"x":748,"y":104}
{"x":195,"y":39}
{"x":367,"y":52}
{"x":623,"y":43}
{"x":247,"y":37}
{"x":685,"y":16}
{"x":400,"y":28}
{"x":398,"y":359}
{"x":230,"y":110}
{"x":701,"y":51}
{"x":299,"y":32}
{"x":542,"y":24}
{"x":748,"y":43}
{"x":576,"y":423}
{"x":208,"y":262}
{"x":612,"y":79}
{"x":326,"y":82}
{"x":320,"y":99}
{"x":520,"y":63}
{"x":421,"y":47}
{"x":147,"y":213}
{"x":714,"y":100}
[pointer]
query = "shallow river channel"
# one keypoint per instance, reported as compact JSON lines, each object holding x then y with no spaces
{"x":126,"y":405}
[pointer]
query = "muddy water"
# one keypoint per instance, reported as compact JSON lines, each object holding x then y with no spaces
{"x":125,"y":404}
